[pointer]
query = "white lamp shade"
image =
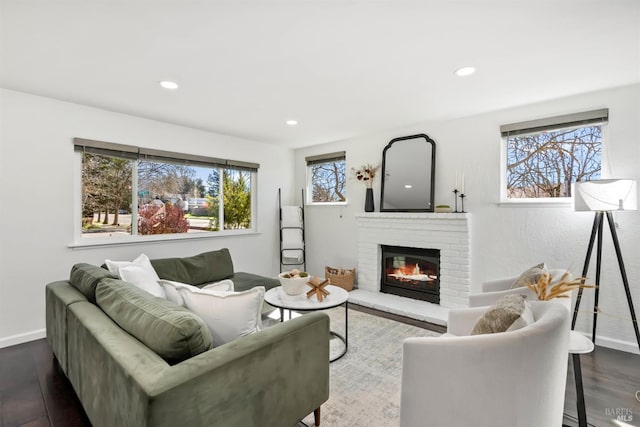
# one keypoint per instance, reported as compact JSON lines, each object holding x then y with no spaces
{"x":606,"y":195}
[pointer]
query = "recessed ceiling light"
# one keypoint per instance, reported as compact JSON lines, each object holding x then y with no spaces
{"x":169,"y":84}
{"x":291,"y":122}
{"x":464,"y":71}
{"x":408,"y":186}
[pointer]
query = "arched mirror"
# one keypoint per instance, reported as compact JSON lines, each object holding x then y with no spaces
{"x":408,"y":172}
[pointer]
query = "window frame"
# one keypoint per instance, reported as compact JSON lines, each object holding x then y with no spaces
{"x":156,"y":155}
{"x":323,"y":158}
{"x":578,"y":120}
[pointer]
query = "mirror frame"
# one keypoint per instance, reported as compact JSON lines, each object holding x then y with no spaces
{"x":433,"y":173}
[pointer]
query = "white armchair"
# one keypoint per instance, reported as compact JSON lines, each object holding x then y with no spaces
{"x":494,"y":289}
{"x":509,"y":379}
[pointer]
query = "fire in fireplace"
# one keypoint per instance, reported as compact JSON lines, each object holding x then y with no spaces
{"x":411,"y":272}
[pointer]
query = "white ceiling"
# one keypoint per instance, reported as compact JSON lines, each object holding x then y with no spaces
{"x":341,"y":68}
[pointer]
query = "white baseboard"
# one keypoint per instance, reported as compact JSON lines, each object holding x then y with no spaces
{"x":22,"y":338}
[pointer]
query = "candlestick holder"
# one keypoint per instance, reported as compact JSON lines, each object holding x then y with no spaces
{"x":455,"y":198}
{"x":462,"y":196}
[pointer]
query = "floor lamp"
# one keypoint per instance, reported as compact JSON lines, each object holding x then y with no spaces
{"x":604,"y":196}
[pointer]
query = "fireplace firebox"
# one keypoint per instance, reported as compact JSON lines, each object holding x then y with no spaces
{"x":411,"y":272}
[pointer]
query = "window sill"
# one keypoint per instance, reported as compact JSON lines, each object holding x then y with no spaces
{"x":88,"y":242}
{"x":327,"y":204}
{"x":564,"y":202}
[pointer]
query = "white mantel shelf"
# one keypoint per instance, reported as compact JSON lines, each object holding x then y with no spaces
{"x":414,"y":215}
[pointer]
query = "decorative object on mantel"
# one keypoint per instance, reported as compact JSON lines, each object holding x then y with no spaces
{"x":545,"y":290}
{"x":455,"y":198}
{"x":318,"y":288}
{"x":365,"y":174}
{"x":294,"y":282}
{"x":368,"y":201}
{"x":341,"y":277}
{"x":443,"y":209}
{"x":462,"y":196}
{"x":461,"y":191}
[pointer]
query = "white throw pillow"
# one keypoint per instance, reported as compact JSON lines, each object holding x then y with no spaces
{"x":172,"y":288}
{"x":225,"y":285}
{"x":228,"y":315}
{"x":141,"y":261}
{"x":141,"y":278}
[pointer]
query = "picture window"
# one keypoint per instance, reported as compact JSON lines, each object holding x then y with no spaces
{"x":543,"y":158}
{"x":126,"y":192}
{"x":327,"y":179}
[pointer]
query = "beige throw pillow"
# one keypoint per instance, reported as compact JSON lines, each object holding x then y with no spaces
{"x":532,"y":275}
{"x":509,"y":313}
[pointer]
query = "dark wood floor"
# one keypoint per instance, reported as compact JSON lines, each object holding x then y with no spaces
{"x":34,"y":392}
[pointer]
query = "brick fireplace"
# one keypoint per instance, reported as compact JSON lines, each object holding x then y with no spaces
{"x":448,"y":234}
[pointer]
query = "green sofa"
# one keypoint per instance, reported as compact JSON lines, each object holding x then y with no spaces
{"x":138,"y":360}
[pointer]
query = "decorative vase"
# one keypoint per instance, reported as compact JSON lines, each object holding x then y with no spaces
{"x":368,"y":201}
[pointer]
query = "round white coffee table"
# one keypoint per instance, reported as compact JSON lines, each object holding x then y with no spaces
{"x":278,"y":298}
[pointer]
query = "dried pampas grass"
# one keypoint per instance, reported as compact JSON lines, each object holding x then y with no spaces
{"x":545,"y":291}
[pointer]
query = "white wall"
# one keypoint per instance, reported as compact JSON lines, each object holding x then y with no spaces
{"x":36,"y":211}
{"x":505,"y":240}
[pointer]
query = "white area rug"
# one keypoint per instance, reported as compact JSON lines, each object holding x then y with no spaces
{"x":365,"y":382}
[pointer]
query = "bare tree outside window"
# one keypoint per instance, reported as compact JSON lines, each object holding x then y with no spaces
{"x":166,"y":180}
{"x":328,"y":181}
{"x":544,"y":164}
